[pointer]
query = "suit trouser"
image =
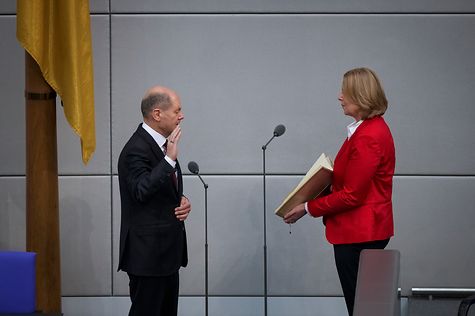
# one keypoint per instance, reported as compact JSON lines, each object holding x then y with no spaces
{"x":347,"y":258}
{"x":154,"y":296}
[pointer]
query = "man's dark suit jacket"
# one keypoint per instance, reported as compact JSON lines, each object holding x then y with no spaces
{"x":152,"y":239}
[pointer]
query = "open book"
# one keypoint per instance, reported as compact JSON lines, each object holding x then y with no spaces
{"x":317,"y":179}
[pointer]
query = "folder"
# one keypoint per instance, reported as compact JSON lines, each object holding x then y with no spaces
{"x":317,"y":179}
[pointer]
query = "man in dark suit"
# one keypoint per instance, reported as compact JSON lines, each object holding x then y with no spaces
{"x":153,"y":207}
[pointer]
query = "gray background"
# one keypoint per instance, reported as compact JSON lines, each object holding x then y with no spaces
{"x":241,"y":68}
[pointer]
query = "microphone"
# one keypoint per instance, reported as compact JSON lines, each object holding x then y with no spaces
{"x":195,"y":169}
{"x":278,"y":131}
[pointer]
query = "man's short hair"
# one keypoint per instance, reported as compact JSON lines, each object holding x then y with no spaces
{"x":155,"y":100}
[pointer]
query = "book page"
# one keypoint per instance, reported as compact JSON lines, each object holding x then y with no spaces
{"x":315,"y":181}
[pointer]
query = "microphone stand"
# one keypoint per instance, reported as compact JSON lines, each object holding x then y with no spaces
{"x":206,"y":243}
{"x":264,"y":147}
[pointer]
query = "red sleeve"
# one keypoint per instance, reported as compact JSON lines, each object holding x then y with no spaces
{"x":364,"y":158}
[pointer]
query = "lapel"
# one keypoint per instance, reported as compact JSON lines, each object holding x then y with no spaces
{"x":343,"y":152}
{"x":157,"y":151}
{"x":362,"y":126}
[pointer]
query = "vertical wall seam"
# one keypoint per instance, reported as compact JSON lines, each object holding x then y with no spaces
{"x":110,"y":152}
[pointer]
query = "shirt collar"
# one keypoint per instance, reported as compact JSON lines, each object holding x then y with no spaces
{"x":352,"y":127}
{"x":159,"y":138}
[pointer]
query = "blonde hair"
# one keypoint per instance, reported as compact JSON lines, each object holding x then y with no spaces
{"x":363,"y":88}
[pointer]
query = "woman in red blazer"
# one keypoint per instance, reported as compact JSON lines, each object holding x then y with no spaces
{"x":357,"y":212}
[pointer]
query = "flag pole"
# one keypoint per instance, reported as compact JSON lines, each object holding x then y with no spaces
{"x":42,"y":211}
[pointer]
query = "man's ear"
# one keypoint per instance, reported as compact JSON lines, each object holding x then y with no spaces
{"x":156,"y":114}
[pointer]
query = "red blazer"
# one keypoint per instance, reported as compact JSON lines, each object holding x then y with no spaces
{"x":359,"y":207}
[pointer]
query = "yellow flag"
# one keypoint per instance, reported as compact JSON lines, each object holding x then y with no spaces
{"x":57,"y":34}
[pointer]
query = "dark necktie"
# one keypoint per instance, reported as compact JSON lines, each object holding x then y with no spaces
{"x":173,"y":174}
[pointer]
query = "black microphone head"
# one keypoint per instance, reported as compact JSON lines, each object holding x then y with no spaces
{"x":279,"y":130}
{"x":193,"y":167}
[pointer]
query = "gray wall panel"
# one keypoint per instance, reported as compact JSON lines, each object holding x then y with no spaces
{"x":85,"y":210}
{"x":239,"y":76}
{"x":434,"y":231}
{"x":236,"y":306}
{"x":8,"y":7}
{"x":99,"y":6}
{"x":292,"y":6}
{"x":120,"y":279}
{"x":12,"y":213}
{"x":12,"y":122}
{"x":12,"y":126}
{"x":85,"y":225}
{"x":307,"y":306}
{"x":235,"y":236}
{"x":347,"y":6}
